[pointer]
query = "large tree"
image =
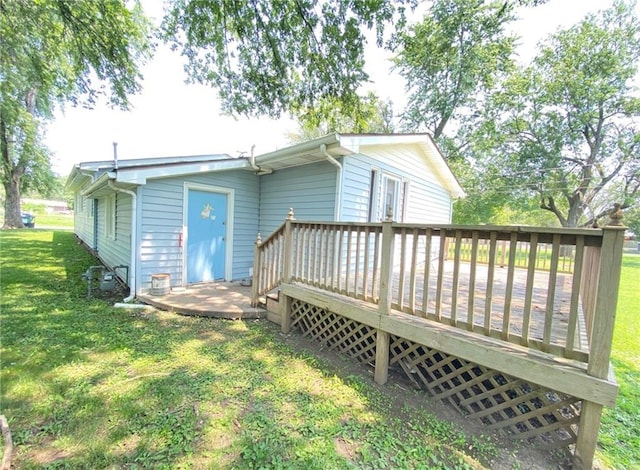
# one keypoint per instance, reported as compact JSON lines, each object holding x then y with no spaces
{"x":451,"y":59}
{"x":54,"y":52}
{"x":269,"y":57}
{"x":567,"y":127}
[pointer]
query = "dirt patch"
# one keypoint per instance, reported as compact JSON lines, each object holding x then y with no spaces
{"x":403,"y":395}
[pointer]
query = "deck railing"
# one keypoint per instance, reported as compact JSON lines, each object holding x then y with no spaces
{"x":466,"y":283}
{"x":475,"y":278}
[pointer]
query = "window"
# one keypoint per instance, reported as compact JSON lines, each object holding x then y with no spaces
{"x":110,"y":216}
{"x":387,"y":194}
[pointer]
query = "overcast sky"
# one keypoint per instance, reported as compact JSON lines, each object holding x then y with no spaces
{"x":170,"y":118}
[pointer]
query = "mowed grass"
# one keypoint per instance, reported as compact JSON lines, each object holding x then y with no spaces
{"x":86,"y":385}
{"x":620,"y":431}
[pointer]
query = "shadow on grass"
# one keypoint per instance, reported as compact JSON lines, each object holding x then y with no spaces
{"x":86,"y":385}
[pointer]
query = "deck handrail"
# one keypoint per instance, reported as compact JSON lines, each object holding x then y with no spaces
{"x":505,"y":296}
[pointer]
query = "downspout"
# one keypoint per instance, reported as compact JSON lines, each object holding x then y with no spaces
{"x":336,"y":163}
{"x":134,"y":240}
{"x":252,"y":163}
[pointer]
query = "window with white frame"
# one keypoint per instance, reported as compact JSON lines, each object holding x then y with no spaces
{"x":110,"y":216}
{"x":387,"y":194}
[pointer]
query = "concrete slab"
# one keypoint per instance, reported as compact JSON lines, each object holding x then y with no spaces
{"x":229,"y":300}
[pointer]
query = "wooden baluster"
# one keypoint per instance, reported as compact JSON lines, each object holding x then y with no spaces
{"x":365,"y":274}
{"x":357,"y":270}
{"x":428,"y":256}
{"x":551,"y":292}
{"x":528,"y":295}
{"x":441,"y":259}
{"x":575,"y":296}
{"x":347,"y":277}
{"x":490,"y":279}
{"x":403,"y":254}
{"x":456,"y":279}
{"x":506,"y":317}
{"x":376,"y":262}
{"x":472,"y":280}
{"x":412,"y":278}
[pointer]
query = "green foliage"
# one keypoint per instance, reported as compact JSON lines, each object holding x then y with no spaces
{"x":369,"y":115}
{"x":566,"y":127}
{"x":452,"y":57}
{"x":55,"y":52}
{"x":272,"y":56}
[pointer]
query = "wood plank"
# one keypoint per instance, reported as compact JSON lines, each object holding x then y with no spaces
{"x":427,"y":269}
{"x":490,"y":277}
{"x":551,"y":290}
{"x":403,"y":253}
{"x":376,"y":263}
{"x":456,"y":279}
{"x":443,"y":243}
{"x":365,"y":276}
{"x":412,"y":275}
{"x":357,"y":266}
{"x":528,"y":295}
{"x":471,"y":306}
{"x":506,"y":317}
{"x":572,"y":327}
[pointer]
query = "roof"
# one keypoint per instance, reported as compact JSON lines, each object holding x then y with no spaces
{"x":339,"y":145}
{"x":128,"y":173}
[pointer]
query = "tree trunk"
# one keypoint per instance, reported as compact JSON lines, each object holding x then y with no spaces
{"x":12,"y":211}
{"x":11,"y":176}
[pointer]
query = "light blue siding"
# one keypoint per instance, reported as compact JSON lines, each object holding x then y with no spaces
{"x":161,"y":221}
{"x":309,"y":189}
{"x":116,"y":250}
{"x":426,"y":199}
{"x":83,"y":219}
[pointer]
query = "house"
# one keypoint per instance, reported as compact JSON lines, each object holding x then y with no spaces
{"x":197,"y":218}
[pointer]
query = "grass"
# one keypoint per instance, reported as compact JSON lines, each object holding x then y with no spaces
{"x":54,"y":220}
{"x":86,"y":385}
{"x":620,"y":431}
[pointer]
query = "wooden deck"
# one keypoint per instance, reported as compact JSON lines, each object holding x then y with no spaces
{"x":533,"y":304}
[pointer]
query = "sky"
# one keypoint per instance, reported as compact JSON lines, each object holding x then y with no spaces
{"x":172,"y":118}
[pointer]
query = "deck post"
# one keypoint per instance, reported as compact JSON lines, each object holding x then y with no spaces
{"x":381,"y":373}
{"x":255,"y":282}
{"x":601,"y":339}
{"x":287,"y":265}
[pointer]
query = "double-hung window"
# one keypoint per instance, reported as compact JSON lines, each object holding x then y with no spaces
{"x":387,"y":195}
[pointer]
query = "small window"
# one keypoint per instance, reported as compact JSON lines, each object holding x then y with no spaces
{"x":110,"y":216}
{"x":387,"y":195}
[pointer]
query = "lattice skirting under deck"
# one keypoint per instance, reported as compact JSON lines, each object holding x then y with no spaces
{"x":521,"y":410}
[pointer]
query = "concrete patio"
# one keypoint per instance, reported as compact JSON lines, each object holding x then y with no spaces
{"x":229,"y":300}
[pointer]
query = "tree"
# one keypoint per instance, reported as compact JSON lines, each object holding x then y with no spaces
{"x":567,"y":127}
{"x":54,"y":52}
{"x":268,"y":57}
{"x":451,"y":58}
{"x":370,"y":115}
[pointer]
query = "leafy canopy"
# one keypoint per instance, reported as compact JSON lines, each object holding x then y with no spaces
{"x":567,"y":126}
{"x":268,"y":57}
{"x":55,"y":52}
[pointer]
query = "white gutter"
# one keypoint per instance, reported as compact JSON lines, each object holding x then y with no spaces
{"x":134,"y":241}
{"x":336,"y":163}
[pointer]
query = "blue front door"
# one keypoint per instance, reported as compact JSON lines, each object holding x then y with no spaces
{"x":206,"y":239}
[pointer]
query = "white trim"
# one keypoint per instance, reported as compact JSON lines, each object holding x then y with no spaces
{"x":228,"y":256}
{"x":110,"y":217}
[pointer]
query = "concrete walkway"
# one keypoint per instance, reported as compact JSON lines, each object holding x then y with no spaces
{"x":229,"y":300}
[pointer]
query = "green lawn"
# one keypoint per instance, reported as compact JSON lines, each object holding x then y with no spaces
{"x":620,"y":432}
{"x":86,"y":385}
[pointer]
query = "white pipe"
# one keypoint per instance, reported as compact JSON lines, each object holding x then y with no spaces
{"x":336,"y":163}
{"x":256,"y":168}
{"x":134,"y":240}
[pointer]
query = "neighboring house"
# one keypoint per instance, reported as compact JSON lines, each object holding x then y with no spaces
{"x":197,"y":218}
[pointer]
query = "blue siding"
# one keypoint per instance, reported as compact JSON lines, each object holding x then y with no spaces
{"x":162,"y":219}
{"x":427,"y":200}
{"x":309,"y":189}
